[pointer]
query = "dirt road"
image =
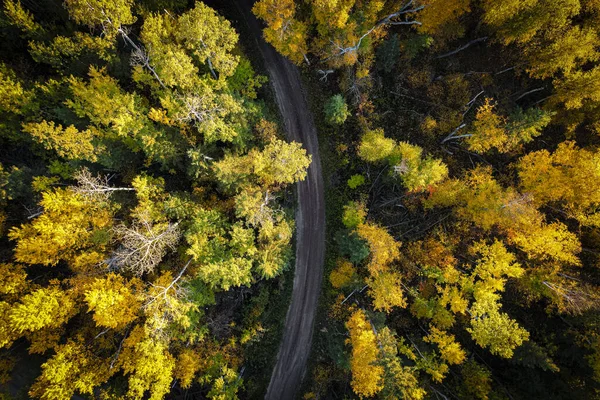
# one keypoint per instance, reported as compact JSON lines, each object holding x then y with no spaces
{"x":310,"y":221}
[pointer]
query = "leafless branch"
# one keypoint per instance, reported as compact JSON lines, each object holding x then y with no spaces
{"x":143,"y":245}
{"x":452,"y":134}
{"x":463,"y":47}
{"x":89,"y":185}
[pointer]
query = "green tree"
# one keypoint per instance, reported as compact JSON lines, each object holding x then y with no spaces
{"x":356,"y":181}
{"x":505,"y":134}
{"x":400,"y":379}
{"x":336,"y":110}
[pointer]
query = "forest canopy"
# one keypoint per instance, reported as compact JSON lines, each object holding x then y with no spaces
{"x":143,"y":180}
{"x":147,"y":201}
{"x":461,"y":146}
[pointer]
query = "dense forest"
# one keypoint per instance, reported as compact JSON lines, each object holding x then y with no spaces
{"x":143,"y":192}
{"x":147,"y":198}
{"x":460,"y":144}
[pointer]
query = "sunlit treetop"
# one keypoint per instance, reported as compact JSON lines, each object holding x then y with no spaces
{"x":109,"y":14}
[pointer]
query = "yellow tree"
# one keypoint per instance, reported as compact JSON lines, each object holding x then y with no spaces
{"x":23,"y":19}
{"x":48,"y":307}
{"x":14,"y":96}
{"x":367,"y":376}
{"x":386,"y":290}
{"x":287,"y":34}
{"x":473,"y":290}
{"x":108,"y":14}
{"x":578,"y":89}
{"x":440,"y":18}
{"x":114,"y":301}
{"x":417,"y":172}
{"x":280,"y":163}
{"x":64,"y":230}
{"x":566,"y":51}
{"x":14,"y":280}
{"x":209,"y":37}
{"x":343,"y":275}
{"x":106,"y":105}
{"x":14,"y":285}
{"x":480,"y":199}
{"x":491,"y":130}
{"x":68,"y":142}
{"x":495,"y":330}
{"x":569,"y":176}
{"x":345,"y":26}
{"x":273,"y":239}
{"x":73,"y":369}
{"x":490,"y":327}
{"x":64,"y":51}
{"x":519,"y":21}
{"x":148,"y":365}
{"x":167,"y":307}
{"x":163,"y":55}
{"x":3,"y":197}
{"x":374,"y":146}
{"x":488,"y":130}
{"x":450,"y":350}
{"x":384,"y":248}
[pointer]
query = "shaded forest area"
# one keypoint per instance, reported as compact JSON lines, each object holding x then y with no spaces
{"x":146,"y":218}
{"x":460,"y":148}
{"x":144,"y":203}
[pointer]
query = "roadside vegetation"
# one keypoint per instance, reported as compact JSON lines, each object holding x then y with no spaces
{"x":459,"y":143}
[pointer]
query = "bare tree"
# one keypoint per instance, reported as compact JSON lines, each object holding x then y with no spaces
{"x":143,"y":245}
{"x":97,"y":186}
{"x":463,"y":47}
{"x":198,"y":109}
{"x":453,"y":135}
{"x":264,"y":212}
{"x":575,"y":299}
{"x":139,"y":56}
{"x":324,"y":74}
{"x":167,"y":303}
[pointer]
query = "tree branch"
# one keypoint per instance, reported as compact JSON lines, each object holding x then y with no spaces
{"x":461,"y":48}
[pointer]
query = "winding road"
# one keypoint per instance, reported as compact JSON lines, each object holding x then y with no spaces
{"x":310,"y":220}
